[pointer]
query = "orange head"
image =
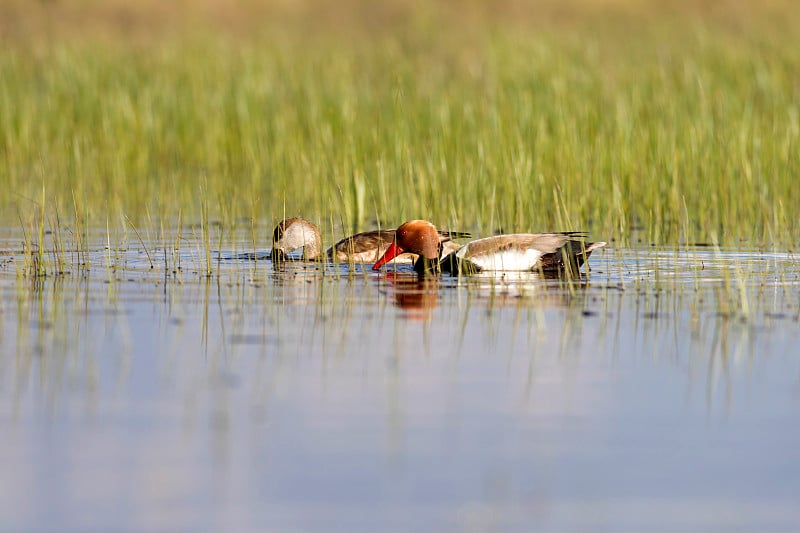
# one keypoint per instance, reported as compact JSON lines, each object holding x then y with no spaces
{"x":415,"y":236}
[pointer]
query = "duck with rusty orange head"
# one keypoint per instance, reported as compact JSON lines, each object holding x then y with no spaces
{"x":533,"y":252}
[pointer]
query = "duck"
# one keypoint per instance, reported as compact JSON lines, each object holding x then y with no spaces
{"x":367,"y":247}
{"x":523,"y":252}
{"x":292,"y":234}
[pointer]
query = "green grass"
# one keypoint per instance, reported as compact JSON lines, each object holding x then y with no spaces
{"x":666,"y":128}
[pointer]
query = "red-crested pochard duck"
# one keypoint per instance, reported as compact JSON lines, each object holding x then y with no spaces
{"x":534,"y":252}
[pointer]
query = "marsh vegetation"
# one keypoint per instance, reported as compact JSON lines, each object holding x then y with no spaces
{"x":676,"y":124}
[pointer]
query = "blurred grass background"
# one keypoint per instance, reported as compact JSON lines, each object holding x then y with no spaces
{"x":677,"y":121}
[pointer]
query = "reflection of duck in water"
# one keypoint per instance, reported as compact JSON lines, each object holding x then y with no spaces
{"x":417,"y":297}
{"x":295,"y":233}
{"x":528,"y":252}
{"x":508,"y":288}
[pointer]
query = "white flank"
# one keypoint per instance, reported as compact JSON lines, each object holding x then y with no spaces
{"x":504,"y":260}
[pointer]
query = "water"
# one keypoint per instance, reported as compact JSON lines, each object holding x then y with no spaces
{"x":660,"y":394}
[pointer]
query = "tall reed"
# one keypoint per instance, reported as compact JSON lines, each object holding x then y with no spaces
{"x":682,"y":127}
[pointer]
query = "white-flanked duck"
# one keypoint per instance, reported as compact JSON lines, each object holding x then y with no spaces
{"x":367,"y":247}
{"x":531,"y":252}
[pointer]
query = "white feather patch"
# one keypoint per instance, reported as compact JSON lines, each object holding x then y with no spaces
{"x":503,"y":260}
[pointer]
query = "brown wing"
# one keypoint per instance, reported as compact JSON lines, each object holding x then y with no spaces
{"x":445,"y":236}
{"x":367,"y":241}
{"x":571,"y":256}
{"x":365,"y":247}
{"x":546,"y":243}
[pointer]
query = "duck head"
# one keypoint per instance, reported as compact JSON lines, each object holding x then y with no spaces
{"x":292,"y":234}
{"x":419,"y":237}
